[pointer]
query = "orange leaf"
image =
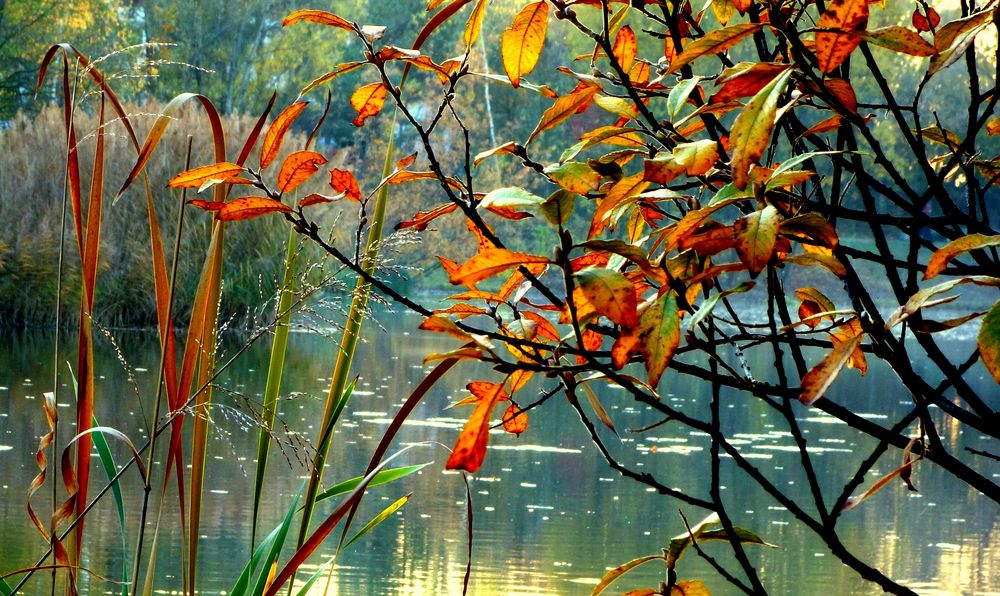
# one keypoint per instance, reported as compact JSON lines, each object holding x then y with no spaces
{"x":818,"y":380}
{"x":751,"y":132}
{"x":250,"y":207}
{"x":367,"y":101}
{"x":406,"y":161}
{"x":592,"y":341}
{"x":942,"y":256}
{"x":521,"y":43}
{"x":340,"y":70}
{"x":207,"y":205}
{"x":746,"y":79}
{"x":625,"y":48}
{"x":660,"y":335}
{"x":345,"y":182}
{"x":488,"y":263}
{"x":514,"y":420}
{"x":320,"y":17}
{"x":422,"y":218}
{"x":276,"y":132}
{"x":297,"y":168}
{"x":623,"y":348}
{"x":545,"y":327}
{"x":848,"y":18}
{"x":316,"y":199}
{"x":470,"y":448}
{"x":564,"y":107}
{"x":439,"y":324}
{"x":198,"y":176}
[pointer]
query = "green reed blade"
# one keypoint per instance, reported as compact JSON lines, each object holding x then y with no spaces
{"x":383,"y":477}
{"x":275,"y":368}
{"x":381,"y":517}
{"x":312,"y":578}
{"x":243,"y":582}
{"x":279,"y":541}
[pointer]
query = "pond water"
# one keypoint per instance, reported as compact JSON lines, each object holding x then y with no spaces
{"x":550,"y":517}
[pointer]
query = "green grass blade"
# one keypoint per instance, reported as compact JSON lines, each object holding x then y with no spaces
{"x":279,"y":541}
{"x":275,"y":369}
{"x":304,"y":590}
{"x":5,"y":589}
{"x":243,"y":581}
{"x":111,"y":469}
{"x":383,"y":477}
{"x":352,"y":331}
{"x":381,"y":517}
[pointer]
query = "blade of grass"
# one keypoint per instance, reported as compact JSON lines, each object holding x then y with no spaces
{"x":243,"y":581}
{"x":383,"y":477}
{"x":381,"y":517}
{"x":279,"y":540}
{"x":349,"y":342}
{"x":275,"y":368}
{"x":304,"y":590}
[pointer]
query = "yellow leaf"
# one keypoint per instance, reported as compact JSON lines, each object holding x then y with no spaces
{"x":609,"y":293}
{"x":751,"y":132}
{"x":942,"y":256}
{"x":818,"y":380}
{"x":714,"y":42}
{"x":564,"y":107}
{"x":521,"y":43}
{"x":475,"y":23}
{"x":320,"y":17}
{"x":755,"y":235}
{"x":198,"y":176}
{"x":625,"y":48}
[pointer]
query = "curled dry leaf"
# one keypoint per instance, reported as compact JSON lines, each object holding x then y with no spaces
{"x":928,"y":22}
{"x":944,"y":255}
{"x":421,"y":220}
{"x":367,"y":101}
{"x":521,"y":43}
{"x":320,"y":17}
{"x":821,"y":377}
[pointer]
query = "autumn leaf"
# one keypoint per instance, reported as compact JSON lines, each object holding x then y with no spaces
{"x":297,"y":168}
{"x":755,"y":236}
{"x":693,"y":159}
{"x":625,"y":48}
{"x":320,"y":17}
{"x":207,"y":205}
{"x":521,"y":43}
{"x":924,"y":298}
{"x":345,"y":182}
{"x":475,"y":23}
{"x":901,"y":40}
{"x":847,"y":19}
{"x":574,"y":176}
{"x":470,"y":448}
{"x":942,"y":256}
{"x":564,"y":107}
{"x":341,"y":69}
{"x":811,"y":228}
{"x":988,"y":341}
{"x":250,"y":207}
{"x":660,"y":335}
{"x":821,"y":377}
{"x":316,"y":198}
{"x":751,"y":132}
{"x":442,"y":324}
{"x":511,"y":196}
{"x":623,"y":191}
{"x":514,"y":420}
{"x":489,"y":263}
{"x":423,"y":218}
{"x":367,"y":101}
{"x":508,"y":147}
{"x":196,"y":177}
{"x":610,"y":294}
{"x":276,"y":132}
{"x":953,"y":38}
{"x":713,"y":42}
{"x":926,"y":22}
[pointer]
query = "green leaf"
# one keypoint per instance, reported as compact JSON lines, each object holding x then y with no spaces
{"x":659,"y":335}
{"x":383,"y":477}
{"x":988,"y":341}
{"x":511,"y":196}
{"x":751,"y":132}
{"x":610,"y":577}
{"x":243,"y":581}
{"x":679,"y":95}
{"x":709,"y":304}
{"x":381,"y":517}
{"x":5,"y":589}
{"x":276,"y":544}
{"x":558,"y":207}
{"x":679,"y":543}
{"x":574,"y":176}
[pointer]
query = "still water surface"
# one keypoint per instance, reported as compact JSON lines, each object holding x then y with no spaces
{"x":549,"y":515}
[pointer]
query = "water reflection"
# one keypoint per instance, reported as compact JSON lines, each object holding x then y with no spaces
{"x":549,"y":515}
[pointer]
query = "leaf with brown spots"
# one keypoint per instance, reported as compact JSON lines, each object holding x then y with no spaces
{"x":521,"y":43}
{"x":514,"y":420}
{"x":845,"y":19}
{"x":250,"y":207}
{"x":297,"y":168}
{"x":345,"y":182}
